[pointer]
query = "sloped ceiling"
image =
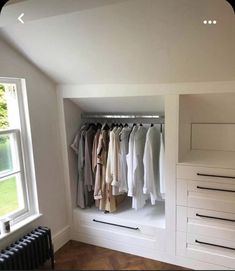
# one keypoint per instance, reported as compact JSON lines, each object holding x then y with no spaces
{"x":127,"y":41}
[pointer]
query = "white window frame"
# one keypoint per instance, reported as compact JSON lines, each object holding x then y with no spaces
{"x":25,"y":153}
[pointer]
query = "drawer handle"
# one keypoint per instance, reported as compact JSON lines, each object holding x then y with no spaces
{"x":215,"y":176}
{"x":215,"y":189}
{"x":214,"y":245}
{"x":117,"y":225}
{"x":214,"y":217}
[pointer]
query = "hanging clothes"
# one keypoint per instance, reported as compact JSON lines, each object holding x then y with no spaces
{"x":78,"y":146}
{"x":94,"y":150}
{"x":88,"y":173}
{"x":113,"y":162}
{"x":102,"y":190}
{"x":162,"y":166}
{"x":151,"y":165}
{"x":116,"y":163}
{"x":94,"y":159}
{"x":138,"y":199}
{"x":129,"y":159}
{"x":110,"y":158}
{"x":123,"y":151}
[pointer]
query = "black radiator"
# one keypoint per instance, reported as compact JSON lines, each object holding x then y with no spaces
{"x":29,"y":252}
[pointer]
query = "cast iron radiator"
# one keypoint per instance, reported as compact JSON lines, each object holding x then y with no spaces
{"x":29,"y":252}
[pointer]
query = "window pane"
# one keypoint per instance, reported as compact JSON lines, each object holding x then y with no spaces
{"x":6,"y":159}
{"x":3,"y":109}
{"x":10,"y":195}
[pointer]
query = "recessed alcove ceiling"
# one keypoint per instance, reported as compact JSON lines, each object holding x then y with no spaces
{"x":151,"y":104}
{"x":124,"y":41}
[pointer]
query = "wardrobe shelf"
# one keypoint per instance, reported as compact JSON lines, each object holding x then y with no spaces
{"x":222,"y":159}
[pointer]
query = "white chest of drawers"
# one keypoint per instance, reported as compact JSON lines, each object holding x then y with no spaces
{"x":206,"y":214}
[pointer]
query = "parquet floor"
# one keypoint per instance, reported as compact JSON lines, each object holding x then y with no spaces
{"x":76,"y":255}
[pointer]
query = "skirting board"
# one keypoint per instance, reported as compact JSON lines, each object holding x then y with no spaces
{"x":61,"y":238}
{"x":155,"y":255}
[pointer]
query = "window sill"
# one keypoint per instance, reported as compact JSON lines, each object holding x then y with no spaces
{"x":20,"y":225}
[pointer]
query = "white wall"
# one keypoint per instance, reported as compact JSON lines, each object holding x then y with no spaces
{"x":45,"y":137}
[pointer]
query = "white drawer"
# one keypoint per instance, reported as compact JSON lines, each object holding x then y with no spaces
{"x":115,"y":224}
{"x":206,"y":222}
{"x":114,"y":236}
{"x":103,"y":229}
{"x":209,"y":174}
{"x":206,"y":249}
{"x":206,"y":195}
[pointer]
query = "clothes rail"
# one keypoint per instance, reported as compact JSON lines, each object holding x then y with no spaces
{"x":120,"y":116}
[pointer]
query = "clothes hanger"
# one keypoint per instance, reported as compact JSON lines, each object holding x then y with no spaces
{"x":105,"y":126}
{"x":152,"y":125}
{"x":113,"y":125}
{"x":126,"y":125}
{"x":98,"y":125}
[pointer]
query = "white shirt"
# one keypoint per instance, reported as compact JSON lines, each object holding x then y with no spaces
{"x":162,"y":166}
{"x":151,"y":165}
{"x":123,"y":151}
{"x":129,"y":159}
{"x":116,"y":162}
{"x":109,"y":167}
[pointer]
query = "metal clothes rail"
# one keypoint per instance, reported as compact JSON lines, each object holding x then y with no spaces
{"x":121,"y":116}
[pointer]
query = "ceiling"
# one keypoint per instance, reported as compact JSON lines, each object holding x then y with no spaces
{"x":10,"y":2}
{"x":146,"y":104}
{"x":124,"y":41}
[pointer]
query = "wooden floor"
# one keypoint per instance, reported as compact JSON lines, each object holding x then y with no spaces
{"x":76,"y":255}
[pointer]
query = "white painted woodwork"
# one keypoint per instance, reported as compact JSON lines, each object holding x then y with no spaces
{"x":215,"y":137}
{"x":206,"y":129}
{"x":190,"y":173}
{"x":159,"y":228}
{"x":188,"y":221}
{"x":186,"y":246}
{"x":193,"y":196}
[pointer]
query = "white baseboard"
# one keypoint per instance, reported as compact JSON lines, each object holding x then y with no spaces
{"x":61,"y":238}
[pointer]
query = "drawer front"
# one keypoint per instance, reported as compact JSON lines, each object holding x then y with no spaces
{"x":117,"y":236}
{"x":206,"y":195}
{"x":114,"y":224}
{"x":206,"y":222}
{"x":209,"y":174}
{"x":206,"y":249}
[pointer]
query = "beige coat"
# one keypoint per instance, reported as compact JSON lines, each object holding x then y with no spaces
{"x":103,"y":190}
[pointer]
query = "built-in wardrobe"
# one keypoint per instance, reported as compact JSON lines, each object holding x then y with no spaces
{"x":194,"y":225}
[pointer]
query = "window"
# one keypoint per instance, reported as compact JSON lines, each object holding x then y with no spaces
{"x":17,"y":180}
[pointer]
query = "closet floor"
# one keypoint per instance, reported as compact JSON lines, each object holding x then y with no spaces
{"x":80,"y":256}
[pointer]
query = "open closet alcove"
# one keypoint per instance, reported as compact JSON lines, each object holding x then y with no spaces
{"x":143,"y":229}
{"x":207,"y":129}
